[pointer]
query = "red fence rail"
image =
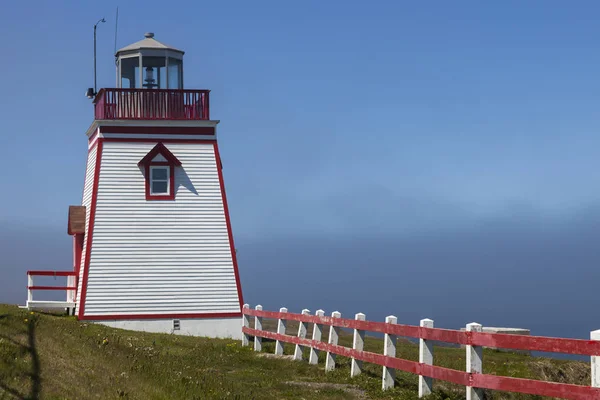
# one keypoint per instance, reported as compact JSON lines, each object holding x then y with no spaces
{"x":52,"y":273}
{"x":472,"y":339}
{"x":152,"y":104}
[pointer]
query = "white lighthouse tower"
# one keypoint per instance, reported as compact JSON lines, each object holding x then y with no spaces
{"x":157,"y":251}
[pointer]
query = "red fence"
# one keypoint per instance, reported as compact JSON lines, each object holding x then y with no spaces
{"x":152,"y":104}
{"x":473,"y":339}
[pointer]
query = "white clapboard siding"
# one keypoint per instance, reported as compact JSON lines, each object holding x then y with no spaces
{"x":160,"y":257}
{"x":86,"y":201}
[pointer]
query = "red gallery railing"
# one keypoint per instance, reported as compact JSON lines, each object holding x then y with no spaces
{"x":473,"y":340}
{"x":151,"y":104}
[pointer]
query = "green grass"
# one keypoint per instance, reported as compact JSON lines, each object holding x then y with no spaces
{"x":45,"y":356}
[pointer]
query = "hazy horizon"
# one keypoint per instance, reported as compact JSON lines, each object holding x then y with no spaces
{"x":516,"y":270}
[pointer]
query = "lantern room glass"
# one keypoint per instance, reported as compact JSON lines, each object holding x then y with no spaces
{"x":175,"y":67}
{"x":156,"y":72}
{"x":130,"y":72}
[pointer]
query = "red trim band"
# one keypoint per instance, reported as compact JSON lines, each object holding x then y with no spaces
{"x":143,"y":140}
{"x":157,"y":130}
{"x":159,"y":316}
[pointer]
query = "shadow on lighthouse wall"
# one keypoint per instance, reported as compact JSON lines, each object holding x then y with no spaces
{"x":183,"y":180}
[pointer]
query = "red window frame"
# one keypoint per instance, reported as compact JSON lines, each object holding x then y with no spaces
{"x":171,"y":195}
{"x":172,"y":162}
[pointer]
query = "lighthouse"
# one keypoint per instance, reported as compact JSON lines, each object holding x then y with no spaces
{"x":153,"y":243}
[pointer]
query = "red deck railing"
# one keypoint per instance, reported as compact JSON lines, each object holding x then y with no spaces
{"x":70,"y":288}
{"x":473,"y":340}
{"x":152,"y":104}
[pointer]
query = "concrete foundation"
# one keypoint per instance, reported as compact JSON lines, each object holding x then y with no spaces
{"x":229,"y":328}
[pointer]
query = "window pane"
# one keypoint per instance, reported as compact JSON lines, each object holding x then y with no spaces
{"x":159,"y":173}
{"x":130,"y":69}
{"x":175,"y":73}
{"x":159,"y":187}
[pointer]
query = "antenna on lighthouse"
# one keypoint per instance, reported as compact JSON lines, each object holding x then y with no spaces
{"x":91,"y":93}
{"x":116,"y":26}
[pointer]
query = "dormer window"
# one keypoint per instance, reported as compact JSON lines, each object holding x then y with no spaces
{"x":159,"y":180}
{"x":159,"y":172}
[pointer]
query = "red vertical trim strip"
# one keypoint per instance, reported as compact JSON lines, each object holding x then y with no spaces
{"x":147,"y":179}
{"x":172,"y":181}
{"x":78,"y":246}
{"x":228,"y":221}
{"x":90,"y":232}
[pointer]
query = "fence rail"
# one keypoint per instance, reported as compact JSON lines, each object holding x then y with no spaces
{"x":472,"y":338}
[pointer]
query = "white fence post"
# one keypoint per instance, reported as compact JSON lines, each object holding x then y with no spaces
{"x":29,"y":284}
{"x":389,"y":349}
{"x":358,"y":345}
{"x":317,"y":333}
{"x":425,"y":357}
{"x":595,"y":335}
{"x":302,"y":327}
{"x":71,"y":293}
{"x":334,"y":333}
{"x":246,"y":324}
{"x":281,"y":327}
{"x":474,"y":363}
{"x":258,"y":327}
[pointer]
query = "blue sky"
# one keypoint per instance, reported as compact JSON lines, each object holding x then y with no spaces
{"x":340,"y":121}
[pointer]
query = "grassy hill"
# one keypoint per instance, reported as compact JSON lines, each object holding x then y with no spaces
{"x":45,"y":356}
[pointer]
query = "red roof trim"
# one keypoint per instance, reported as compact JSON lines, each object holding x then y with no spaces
{"x":162,"y":150}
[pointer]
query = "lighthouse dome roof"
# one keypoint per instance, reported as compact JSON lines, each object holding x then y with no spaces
{"x":148,"y":43}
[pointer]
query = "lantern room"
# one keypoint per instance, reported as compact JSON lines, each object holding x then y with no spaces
{"x":149,"y":64}
{"x":150,"y":86}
